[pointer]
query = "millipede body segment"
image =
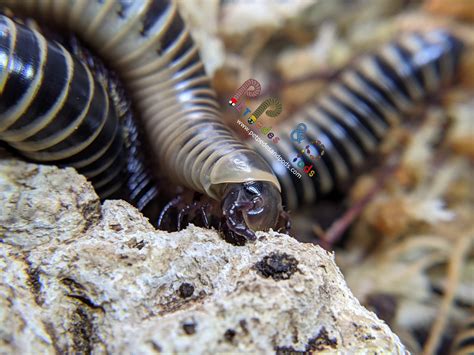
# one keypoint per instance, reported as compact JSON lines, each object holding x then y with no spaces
{"x":464,"y":342}
{"x":52,"y":110}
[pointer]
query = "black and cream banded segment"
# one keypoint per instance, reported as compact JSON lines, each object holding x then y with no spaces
{"x":141,"y":186}
{"x":463,"y":343}
{"x":355,"y":112}
{"x":52,"y":110}
{"x":148,"y":44}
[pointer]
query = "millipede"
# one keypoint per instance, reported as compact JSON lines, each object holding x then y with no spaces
{"x":147,"y":44}
{"x":149,"y":47}
{"x":58,"y":113}
{"x":352,"y":115}
{"x":464,"y":342}
{"x":72,"y":114}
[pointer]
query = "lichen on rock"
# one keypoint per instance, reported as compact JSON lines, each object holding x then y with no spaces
{"x":80,"y":277}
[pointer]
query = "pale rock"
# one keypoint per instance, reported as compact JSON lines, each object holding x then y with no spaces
{"x":78,"y":277}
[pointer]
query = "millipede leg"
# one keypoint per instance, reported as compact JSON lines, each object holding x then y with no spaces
{"x":284,"y":222}
{"x":235,"y":219}
{"x":173,"y":203}
{"x":204,"y":211}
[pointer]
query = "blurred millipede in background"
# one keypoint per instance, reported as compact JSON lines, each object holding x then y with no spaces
{"x":355,"y":111}
{"x":464,"y":341}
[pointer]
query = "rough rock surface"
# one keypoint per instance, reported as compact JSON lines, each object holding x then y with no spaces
{"x":78,"y":277}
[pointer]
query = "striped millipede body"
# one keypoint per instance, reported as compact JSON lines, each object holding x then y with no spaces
{"x":464,"y":342}
{"x":148,"y":45}
{"x":69,"y":120}
{"x":140,"y":187}
{"x":355,"y":111}
{"x":70,"y":112}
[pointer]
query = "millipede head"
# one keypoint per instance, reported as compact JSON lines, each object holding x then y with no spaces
{"x":251,"y":206}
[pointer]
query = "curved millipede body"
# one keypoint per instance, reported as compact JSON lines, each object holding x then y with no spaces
{"x":148,"y":45}
{"x":52,"y":110}
{"x":355,"y":111}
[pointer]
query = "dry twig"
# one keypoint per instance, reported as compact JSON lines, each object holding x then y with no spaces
{"x":337,"y":229}
{"x":455,"y":265}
